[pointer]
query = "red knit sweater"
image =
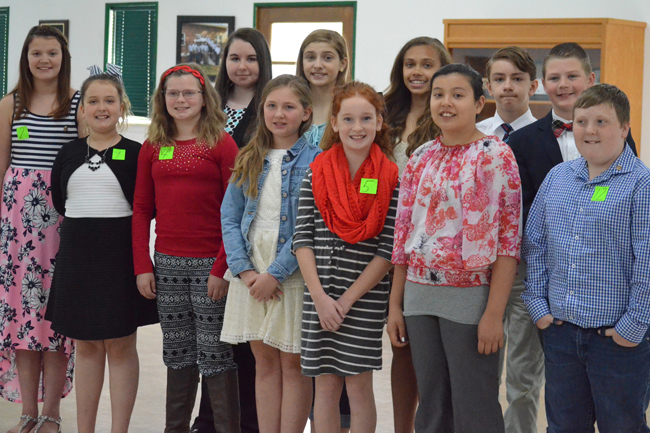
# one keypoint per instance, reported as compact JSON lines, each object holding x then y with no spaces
{"x":186,"y":192}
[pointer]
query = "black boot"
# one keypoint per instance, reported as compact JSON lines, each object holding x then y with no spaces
{"x":224,"y":398}
{"x":181,"y":393}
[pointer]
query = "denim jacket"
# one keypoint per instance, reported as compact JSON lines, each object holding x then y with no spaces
{"x":238,"y":212}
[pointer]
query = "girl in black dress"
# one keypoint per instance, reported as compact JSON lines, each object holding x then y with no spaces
{"x":94,"y":297}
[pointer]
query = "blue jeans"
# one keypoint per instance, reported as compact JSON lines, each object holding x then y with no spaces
{"x":590,"y":378}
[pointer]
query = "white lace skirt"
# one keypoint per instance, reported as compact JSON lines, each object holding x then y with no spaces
{"x":276,"y":323}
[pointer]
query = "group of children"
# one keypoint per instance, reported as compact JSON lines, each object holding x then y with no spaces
{"x":282,"y":205}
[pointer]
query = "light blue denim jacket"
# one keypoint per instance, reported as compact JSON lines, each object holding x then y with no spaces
{"x":238,"y":212}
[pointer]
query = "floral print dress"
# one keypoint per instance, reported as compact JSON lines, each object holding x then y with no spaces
{"x":29,"y":241}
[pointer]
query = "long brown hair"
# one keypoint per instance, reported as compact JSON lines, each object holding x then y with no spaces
{"x":24,"y":90}
{"x":398,"y":96}
{"x":336,"y":41}
{"x":349,"y":90}
{"x":250,"y":160}
{"x":162,"y":129}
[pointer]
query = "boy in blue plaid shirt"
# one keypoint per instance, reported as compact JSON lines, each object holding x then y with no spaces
{"x":587,"y":244}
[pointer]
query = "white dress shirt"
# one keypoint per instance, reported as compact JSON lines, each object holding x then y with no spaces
{"x":567,"y":142}
{"x":492,"y":125}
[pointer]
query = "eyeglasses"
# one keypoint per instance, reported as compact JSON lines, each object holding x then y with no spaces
{"x":187,"y":94}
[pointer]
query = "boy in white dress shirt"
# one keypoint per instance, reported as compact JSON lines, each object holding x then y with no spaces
{"x":511,"y":74}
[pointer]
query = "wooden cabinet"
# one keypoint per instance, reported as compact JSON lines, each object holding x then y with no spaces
{"x":614,"y":46}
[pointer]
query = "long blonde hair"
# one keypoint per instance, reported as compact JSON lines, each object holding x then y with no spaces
{"x":250,"y":160}
{"x":162,"y":129}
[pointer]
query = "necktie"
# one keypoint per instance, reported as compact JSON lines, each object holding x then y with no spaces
{"x":508,"y":129}
{"x":559,"y":127}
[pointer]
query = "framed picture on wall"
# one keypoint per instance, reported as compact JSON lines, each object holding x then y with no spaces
{"x":61,"y":25}
{"x":200,"y":39}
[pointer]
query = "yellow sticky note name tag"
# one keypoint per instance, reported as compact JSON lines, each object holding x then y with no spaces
{"x":600,"y":193}
{"x":368,"y":186}
{"x":166,"y":152}
{"x":23,"y":133}
{"x":119,"y":154}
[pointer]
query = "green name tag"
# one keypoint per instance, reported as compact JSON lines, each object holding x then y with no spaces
{"x":600,"y":193}
{"x":166,"y":152}
{"x":368,"y":186}
{"x":119,"y":154}
{"x":23,"y":133}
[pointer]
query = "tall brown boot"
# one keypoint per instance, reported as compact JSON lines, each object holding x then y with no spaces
{"x":224,"y":398}
{"x":181,"y":394}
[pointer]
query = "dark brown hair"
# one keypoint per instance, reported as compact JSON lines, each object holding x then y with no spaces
{"x":349,"y":90}
{"x":24,"y":89}
{"x":519,"y":58}
{"x":224,"y":85}
{"x":398,"y":96}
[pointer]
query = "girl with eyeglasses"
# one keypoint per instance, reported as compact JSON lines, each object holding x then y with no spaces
{"x":183,"y":172}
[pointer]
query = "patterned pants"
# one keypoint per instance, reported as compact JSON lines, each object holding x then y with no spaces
{"x":191,"y":322}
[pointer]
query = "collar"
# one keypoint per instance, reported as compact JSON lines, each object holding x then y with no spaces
{"x":556,"y":117}
{"x":296,"y":148}
{"x":525,"y":119}
{"x":625,"y":163}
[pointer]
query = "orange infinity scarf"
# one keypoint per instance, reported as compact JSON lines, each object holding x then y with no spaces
{"x":352,"y":215}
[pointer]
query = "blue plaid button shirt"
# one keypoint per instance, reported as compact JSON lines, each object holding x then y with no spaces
{"x":588,"y":255}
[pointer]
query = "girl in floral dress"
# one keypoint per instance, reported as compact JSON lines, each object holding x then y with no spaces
{"x":457,"y":238}
{"x":39,"y":116}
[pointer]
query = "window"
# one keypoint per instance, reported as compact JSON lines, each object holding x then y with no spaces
{"x":131,"y":30}
{"x":4,"y":47}
{"x":285,"y":25}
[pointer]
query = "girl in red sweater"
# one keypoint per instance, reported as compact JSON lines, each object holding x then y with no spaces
{"x":183,"y":172}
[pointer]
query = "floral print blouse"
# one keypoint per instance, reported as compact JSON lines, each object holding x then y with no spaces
{"x":459,"y":208}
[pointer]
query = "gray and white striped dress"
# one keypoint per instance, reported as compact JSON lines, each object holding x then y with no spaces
{"x":356,"y":346}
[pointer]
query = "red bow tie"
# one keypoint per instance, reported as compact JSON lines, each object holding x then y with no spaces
{"x":559,"y":127}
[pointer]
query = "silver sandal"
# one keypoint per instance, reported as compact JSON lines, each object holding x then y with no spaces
{"x":26,"y":419}
{"x":43,"y":419}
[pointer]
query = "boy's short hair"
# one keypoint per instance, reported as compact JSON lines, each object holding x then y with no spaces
{"x":518,"y":56}
{"x":606,"y":94}
{"x":568,"y":50}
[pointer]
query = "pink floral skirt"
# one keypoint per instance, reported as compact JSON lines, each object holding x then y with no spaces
{"x":29,"y":241}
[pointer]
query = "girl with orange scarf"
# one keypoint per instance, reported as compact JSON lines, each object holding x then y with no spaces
{"x":343,"y":242}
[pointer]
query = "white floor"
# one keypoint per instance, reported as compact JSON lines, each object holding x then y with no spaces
{"x":148,"y":415}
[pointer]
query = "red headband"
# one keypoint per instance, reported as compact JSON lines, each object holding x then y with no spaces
{"x":185,"y":68}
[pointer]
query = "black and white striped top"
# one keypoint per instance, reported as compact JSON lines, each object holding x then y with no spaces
{"x":35,"y":140}
{"x":356,"y":346}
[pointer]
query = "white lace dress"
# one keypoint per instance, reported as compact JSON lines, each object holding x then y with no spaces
{"x":276,"y":323}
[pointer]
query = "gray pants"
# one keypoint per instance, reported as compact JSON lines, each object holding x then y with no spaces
{"x":525,"y":362}
{"x":459,"y":388}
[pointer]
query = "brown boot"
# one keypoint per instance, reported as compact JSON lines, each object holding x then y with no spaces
{"x":224,"y":398}
{"x":181,"y":393}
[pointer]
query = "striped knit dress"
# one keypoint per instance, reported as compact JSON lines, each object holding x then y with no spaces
{"x":356,"y":346}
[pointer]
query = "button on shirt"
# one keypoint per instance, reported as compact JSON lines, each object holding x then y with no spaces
{"x":588,"y":250}
{"x":492,"y":125}
{"x":567,"y":142}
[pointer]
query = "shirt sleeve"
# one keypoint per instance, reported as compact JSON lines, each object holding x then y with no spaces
{"x":227,"y":152}
{"x":535,"y":252}
{"x":634,"y":323}
{"x":143,"y":208}
{"x":305,"y":228}
{"x":509,"y":207}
